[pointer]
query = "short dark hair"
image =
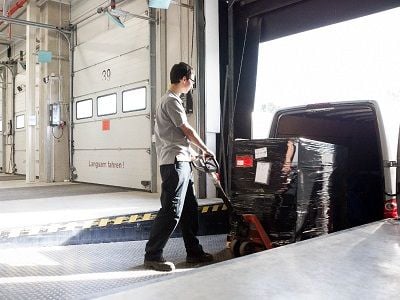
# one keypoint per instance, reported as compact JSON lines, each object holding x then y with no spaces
{"x":178,"y":71}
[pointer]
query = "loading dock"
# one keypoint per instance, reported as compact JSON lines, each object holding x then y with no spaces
{"x":79,"y":176}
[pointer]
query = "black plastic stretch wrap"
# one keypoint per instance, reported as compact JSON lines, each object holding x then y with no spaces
{"x":294,"y":186}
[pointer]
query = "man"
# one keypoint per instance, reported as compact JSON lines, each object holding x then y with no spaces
{"x":173,"y":136}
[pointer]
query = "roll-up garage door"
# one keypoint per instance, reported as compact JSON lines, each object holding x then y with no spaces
{"x":20,"y":135}
{"x":20,"y":121}
{"x":3,"y":86}
{"x":112,"y":124}
{"x":398,"y":172}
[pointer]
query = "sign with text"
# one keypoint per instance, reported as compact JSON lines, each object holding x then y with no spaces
{"x":106,"y":164}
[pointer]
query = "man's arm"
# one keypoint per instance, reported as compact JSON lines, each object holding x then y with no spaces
{"x":195,"y":139}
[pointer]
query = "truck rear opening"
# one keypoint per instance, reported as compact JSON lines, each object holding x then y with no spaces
{"x":354,"y":126}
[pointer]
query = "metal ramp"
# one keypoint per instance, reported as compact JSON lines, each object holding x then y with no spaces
{"x":91,"y":270}
{"x":80,"y":241}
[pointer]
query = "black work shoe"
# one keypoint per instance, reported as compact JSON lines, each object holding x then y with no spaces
{"x":199,"y":258}
{"x":159,"y":265}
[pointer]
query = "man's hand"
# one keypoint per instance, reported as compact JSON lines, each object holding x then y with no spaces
{"x":208,"y":154}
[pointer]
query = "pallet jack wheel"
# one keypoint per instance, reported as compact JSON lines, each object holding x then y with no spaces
{"x":235,"y":246}
{"x":247,"y":248}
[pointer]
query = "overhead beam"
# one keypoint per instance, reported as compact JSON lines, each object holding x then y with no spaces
{"x":39,"y":3}
{"x":311,"y":14}
{"x":34,"y":24}
{"x":257,"y":8}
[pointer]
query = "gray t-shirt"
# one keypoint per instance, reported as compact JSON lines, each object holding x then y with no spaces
{"x":170,"y":141}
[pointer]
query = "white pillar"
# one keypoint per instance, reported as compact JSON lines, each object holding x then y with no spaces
{"x":212,"y":90}
{"x":31,"y":15}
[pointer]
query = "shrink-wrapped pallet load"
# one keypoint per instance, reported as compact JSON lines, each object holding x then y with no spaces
{"x":295,"y":186}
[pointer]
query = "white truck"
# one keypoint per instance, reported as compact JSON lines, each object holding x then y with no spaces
{"x":370,"y":131}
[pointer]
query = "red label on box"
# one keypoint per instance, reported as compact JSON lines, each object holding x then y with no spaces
{"x":244,"y":161}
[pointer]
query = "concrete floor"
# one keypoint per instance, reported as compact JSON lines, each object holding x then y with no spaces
{"x":58,"y":209}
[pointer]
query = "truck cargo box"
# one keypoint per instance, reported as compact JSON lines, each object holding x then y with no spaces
{"x":370,"y":132}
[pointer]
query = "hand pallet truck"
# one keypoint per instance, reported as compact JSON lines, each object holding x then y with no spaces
{"x":246,"y":234}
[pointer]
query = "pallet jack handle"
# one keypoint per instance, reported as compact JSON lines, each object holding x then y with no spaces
{"x":206,"y":164}
{"x":210,"y":166}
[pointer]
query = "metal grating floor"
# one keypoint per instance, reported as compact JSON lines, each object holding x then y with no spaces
{"x":89,"y":271}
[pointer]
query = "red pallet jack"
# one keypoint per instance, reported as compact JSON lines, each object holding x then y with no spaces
{"x":246,"y":234}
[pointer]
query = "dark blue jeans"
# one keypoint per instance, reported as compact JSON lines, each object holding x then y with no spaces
{"x":178,"y":204}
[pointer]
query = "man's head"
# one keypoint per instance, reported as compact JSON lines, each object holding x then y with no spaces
{"x":182,"y":74}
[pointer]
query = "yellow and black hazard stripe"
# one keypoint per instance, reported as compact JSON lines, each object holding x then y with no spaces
{"x":212,"y":208}
{"x":95,"y":223}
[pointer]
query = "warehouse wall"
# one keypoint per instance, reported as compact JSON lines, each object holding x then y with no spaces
{"x":124,"y":54}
